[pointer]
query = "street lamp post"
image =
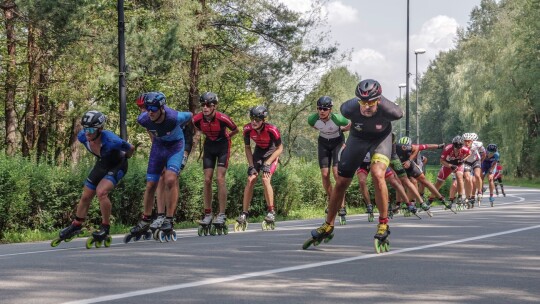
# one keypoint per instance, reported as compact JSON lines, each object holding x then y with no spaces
{"x":401,"y":85}
{"x":416,"y":52}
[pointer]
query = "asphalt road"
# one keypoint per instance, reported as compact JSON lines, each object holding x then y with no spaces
{"x":484,"y":255}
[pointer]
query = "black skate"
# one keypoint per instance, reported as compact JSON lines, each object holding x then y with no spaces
{"x":412,"y":210}
{"x":100,"y":237}
{"x":166,"y":232}
{"x":342,"y":213}
{"x":321,"y":234}
{"x":219,"y":226}
{"x":269,"y":221}
{"x":381,"y":242}
{"x":369,"y":211}
{"x":241,"y":223}
{"x":447,"y":205}
{"x":424,"y":207}
{"x":141,"y":230}
{"x":67,"y":234}
{"x":204,"y":225}
{"x":391,"y":209}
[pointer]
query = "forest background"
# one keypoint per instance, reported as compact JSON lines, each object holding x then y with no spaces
{"x":59,"y":59}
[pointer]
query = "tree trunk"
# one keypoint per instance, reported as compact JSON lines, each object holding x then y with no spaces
{"x":9,"y":8}
{"x":32,"y":104}
{"x":60,"y":132}
{"x":73,"y":146}
{"x":43,"y":121}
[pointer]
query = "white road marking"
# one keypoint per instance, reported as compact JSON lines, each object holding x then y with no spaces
{"x":286,"y":269}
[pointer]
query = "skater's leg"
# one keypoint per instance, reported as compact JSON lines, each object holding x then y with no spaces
{"x":102,"y":192}
{"x":170,"y":180}
{"x":248,"y":192}
{"x":207,"y":188}
{"x":222,"y":188}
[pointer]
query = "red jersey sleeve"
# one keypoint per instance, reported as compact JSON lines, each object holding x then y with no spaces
{"x":246,"y":132}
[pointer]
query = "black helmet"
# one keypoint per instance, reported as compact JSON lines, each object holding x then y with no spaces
{"x":492,"y":148}
{"x":154,"y":99}
{"x":93,"y":119}
{"x":325,"y":102}
{"x":457,"y":141}
{"x":368,"y":90}
{"x":259,"y":112}
{"x":209,"y":97}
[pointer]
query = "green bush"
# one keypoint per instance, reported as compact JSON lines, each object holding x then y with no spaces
{"x":43,"y":197}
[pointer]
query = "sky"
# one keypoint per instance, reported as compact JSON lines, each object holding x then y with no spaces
{"x":375,"y":32}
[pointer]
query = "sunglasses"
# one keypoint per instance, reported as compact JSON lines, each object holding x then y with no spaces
{"x":152,"y":108}
{"x":368,"y":103}
{"x":90,"y":130}
{"x":206,"y":105}
{"x":457,"y":145}
{"x":323,"y":109}
{"x":256,"y":119}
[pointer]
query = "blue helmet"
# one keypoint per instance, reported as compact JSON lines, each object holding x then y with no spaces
{"x":154,"y":99}
{"x":492,"y":148}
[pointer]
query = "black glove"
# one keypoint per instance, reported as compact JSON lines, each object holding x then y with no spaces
{"x":460,"y":161}
{"x":184,"y":161}
{"x":251,"y":171}
{"x":454,"y":167}
{"x":266,"y":168}
{"x":440,"y":146}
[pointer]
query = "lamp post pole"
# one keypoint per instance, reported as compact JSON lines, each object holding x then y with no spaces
{"x":416,"y":52}
{"x":401,"y":85}
{"x":408,"y":75}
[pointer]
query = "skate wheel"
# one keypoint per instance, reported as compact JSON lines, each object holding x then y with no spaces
{"x":244,"y":226}
{"x":174,"y":237}
{"x":386,"y":246}
{"x":206,"y":231}
{"x":56,"y":242}
{"x":89,"y":242}
{"x":213,"y":230}
{"x":264,"y":226}
{"x":371,"y":217}
{"x":98,"y":244}
{"x":137,"y":238}
{"x":156,"y":234}
{"x":273,"y":226}
{"x":108,"y":241}
{"x":220,"y":231}
{"x":328,"y":238}
{"x":225,"y":230}
{"x":200,"y":231}
{"x":168,"y":238}
{"x":237,"y":227}
{"x":127,"y":238}
{"x":307,"y":244}
{"x":148,"y":235}
{"x":161,"y":236}
{"x":378,"y":245}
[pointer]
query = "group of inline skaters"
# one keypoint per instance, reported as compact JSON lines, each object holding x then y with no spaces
{"x":371,"y":147}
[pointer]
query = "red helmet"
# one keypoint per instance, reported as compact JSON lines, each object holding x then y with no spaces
{"x":140,"y":101}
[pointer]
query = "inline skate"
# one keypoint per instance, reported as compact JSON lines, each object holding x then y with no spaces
{"x":342,"y":213}
{"x":411,"y":208}
{"x":447,"y":205}
{"x":219,"y":226}
{"x":156,"y":225}
{"x":99,"y":238}
{"x":166,"y":232}
{"x":321,"y":234}
{"x":404,"y":208}
{"x":241,"y":222}
{"x":269,"y":221}
{"x":204,"y":225}
{"x":425,"y":207}
{"x":369,"y":211}
{"x":479,"y":196}
{"x":67,"y":234}
{"x":491,"y":200}
{"x":141,"y":230}
{"x":381,"y":242}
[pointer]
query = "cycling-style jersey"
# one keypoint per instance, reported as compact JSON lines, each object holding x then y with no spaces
{"x":216,"y":129}
{"x":477,"y":148}
{"x":113,"y":148}
{"x":404,"y":152}
{"x":376,"y":126}
{"x":268,"y":137}
{"x":328,"y":129}
{"x":493,"y":158}
{"x":452,"y":157}
{"x":170,"y":130}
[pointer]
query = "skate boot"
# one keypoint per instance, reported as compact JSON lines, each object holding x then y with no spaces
{"x":67,"y":234}
{"x":479,"y":196}
{"x":321,"y":234}
{"x":412,"y":209}
{"x":369,"y":211}
{"x":156,"y":225}
{"x":470,"y":202}
{"x":166,"y":233}
{"x":426,"y":208}
{"x":391,"y":209}
{"x":447,"y":204}
{"x":502,"y":191}
{"x":491,"y":200}
{"x":241,"y":222}
{"x":100,"y":237}
{"x":381,"y":242}
{"x":269,"y":221}
{"x":342,"y":213}
{"x":141,"y":230}
{"x":204,"y":225}
{"x":219,"y":226}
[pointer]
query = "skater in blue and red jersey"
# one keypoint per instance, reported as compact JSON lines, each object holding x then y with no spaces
{"x":489,"y":168}
{"x":111,"y":165}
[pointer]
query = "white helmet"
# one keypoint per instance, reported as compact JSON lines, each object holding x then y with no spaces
{"x":475,"y":137}
{"x":469,"y":136}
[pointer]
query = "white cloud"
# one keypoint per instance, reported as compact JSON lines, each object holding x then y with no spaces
{"x":437,"y":34}
{"x":300,"y":6}
{"x":339,"y":13}
{"x":367,"y":57}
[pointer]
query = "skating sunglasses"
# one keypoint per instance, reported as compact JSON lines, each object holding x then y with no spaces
{"x":206,"y":105}
{"x":152,"y":108}
{"x":368,"y":103}
{"x":254,"y":118}
{"x":457,"y":145}
{"x":323,"y":109}
{"x":90,"y":130}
